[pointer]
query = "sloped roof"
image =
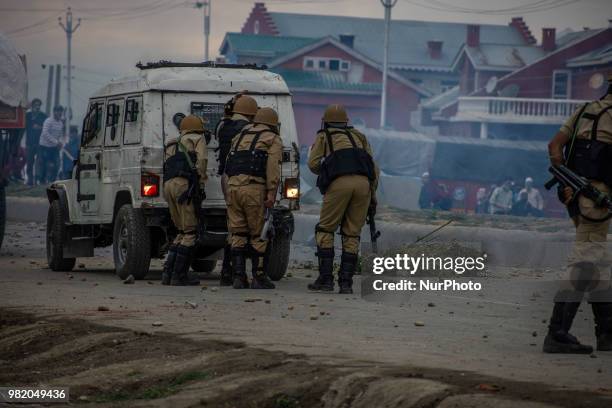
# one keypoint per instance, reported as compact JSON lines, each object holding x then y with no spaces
{"x":497,"y":57}
{"x":324,"y":80}
{"x":267,"y":46}
{"x":572,"y":36}
{"x":600,"y":56}
{"x":408,"y":46}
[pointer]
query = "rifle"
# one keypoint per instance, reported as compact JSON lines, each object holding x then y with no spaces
{"x":580,"y":186}
{"x":374,"y":233}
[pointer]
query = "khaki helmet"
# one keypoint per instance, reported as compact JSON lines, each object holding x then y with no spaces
{"x":266,"y":116}
{"x":246,"y":106}
{"x":335,"y":114}
{"x":192,"y":123}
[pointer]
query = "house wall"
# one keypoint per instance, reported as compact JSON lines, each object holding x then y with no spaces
{"x":535,"y":81}
{"x":259,"y":22}
{"x":583,"y":86}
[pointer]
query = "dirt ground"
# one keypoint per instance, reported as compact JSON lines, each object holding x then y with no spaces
{"x":147,"y":345}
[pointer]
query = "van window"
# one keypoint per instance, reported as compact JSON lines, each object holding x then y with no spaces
{"x":133,"y":120}
{"x":211,"y":112}
{"x":114,"y":122}
{"x":92,"y":125}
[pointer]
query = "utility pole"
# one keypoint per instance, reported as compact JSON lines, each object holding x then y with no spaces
{"x":58,"y":81}
{"x":69,"y":29}
{"x":205,"y":6}
{"x":49,"y":91}
{"x":388,"y":5}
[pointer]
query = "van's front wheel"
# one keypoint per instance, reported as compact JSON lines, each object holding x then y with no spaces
{"x":131,"y":243}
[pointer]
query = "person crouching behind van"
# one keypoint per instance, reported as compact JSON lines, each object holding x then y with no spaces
{"x":239,"y":112}
{"x":253,"y":167}
{"x":185,"y":164}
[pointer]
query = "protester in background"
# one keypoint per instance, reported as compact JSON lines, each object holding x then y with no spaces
{"x":534,"y":197}
{"x":482,"y":201}
{"x":434,"y":195}
{"x":523,"y":208}
{"x":49,"y":146}
{"x":70,"y":152}
{"x":34,"y":124}
{"x":501,"y":199}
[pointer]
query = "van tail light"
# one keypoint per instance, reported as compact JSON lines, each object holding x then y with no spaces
{"x":149,"y":185}
{"x":291,"y":188}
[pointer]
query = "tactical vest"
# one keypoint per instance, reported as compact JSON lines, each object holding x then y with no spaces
{"x":227,"y":130}
{"x":343,"y":162}
{"x":590,"y":158}
{"x":178,"y":165}
{"x":251,"y":161}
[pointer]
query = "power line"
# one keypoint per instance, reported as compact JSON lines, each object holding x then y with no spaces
{"x":538,"y":6}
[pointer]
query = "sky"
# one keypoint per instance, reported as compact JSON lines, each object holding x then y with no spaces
{"x":115,"y":34}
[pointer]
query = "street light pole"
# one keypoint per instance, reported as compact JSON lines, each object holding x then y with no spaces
{"x":388,"y":5}
{"x":205,"y":5}
{"x":69,"y":29}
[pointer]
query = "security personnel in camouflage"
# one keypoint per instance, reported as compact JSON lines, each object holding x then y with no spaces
{"x":239,"y":112}
{"x":253,"y":167}
{"x":584,"y":144}
{"x":185,"y":164}
{"x":347,"y":177}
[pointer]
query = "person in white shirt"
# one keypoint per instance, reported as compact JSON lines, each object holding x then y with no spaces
{"x":47,"y":161}
{"x":534,"y":197}
{"x":501,"y":199}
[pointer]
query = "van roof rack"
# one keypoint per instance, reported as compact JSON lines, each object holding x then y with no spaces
{"x":208,"y":64}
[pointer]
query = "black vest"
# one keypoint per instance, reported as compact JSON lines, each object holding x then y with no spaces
{"x":590,"y":158}
{"x":226,"y":131}
{"x":251,"y":161}
{"x":177,"y":165}
{"x":343,"y":162}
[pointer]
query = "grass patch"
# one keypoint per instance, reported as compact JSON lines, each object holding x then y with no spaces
{"x":164,"y":389}
{"x":286,"y":401}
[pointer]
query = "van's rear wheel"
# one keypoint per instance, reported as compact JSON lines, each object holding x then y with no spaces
{"x":131,"y":243}
{"x":56,"y":231}
{"x":203,"y":265}
{"x":278,"y":255}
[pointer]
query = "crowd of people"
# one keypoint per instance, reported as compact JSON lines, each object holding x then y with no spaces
{"x":49,"y":154}
{"x":509,"y":198}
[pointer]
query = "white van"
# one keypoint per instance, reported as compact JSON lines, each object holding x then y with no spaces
{"x":115,"y":194}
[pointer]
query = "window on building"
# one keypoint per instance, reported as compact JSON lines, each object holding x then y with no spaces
{"x":309,"y":63}
{"x":256,"y":27}
{"x":334,"y":65}
{"x":345,"y":66}
{"x":561,"y":87}
{"x":322,"y":64}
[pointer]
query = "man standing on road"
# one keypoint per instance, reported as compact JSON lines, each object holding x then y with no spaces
{"x":47,"y":160}
{"x":534,"y":197}
{"x":253,"y":167}
{"x":347,"y":176}
{"x":239,"y":112}
{"x":34,"y":125}
{"x":184,"y":180}
{"x":584,"y":144}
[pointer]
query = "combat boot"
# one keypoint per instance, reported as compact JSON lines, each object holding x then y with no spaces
{"x":325,"y":281}
{"x":226,"y":268}
{"x":558,"y":339}
{"x":260,"y":278}
{"x":169,"y":265}
{"x":239,"y":264}
{"x":603,"y":325}
{"x":348,"y":264}
{"x":180,"y":274}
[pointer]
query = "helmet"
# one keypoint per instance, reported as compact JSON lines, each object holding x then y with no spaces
{"x":192,"y":123}
{"x":335,"y":114}
{"x":266,"y":116}
{"x":245,"y":105}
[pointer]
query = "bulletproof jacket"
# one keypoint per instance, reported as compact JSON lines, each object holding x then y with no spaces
{"x":178,"y":164}
{"x":590,"y":158}
{"x":251,"y":161}
{"x":343,"y":162}
{"x":227,"y":130}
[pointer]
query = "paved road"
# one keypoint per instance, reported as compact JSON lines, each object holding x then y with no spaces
{"x":496,"y":332}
